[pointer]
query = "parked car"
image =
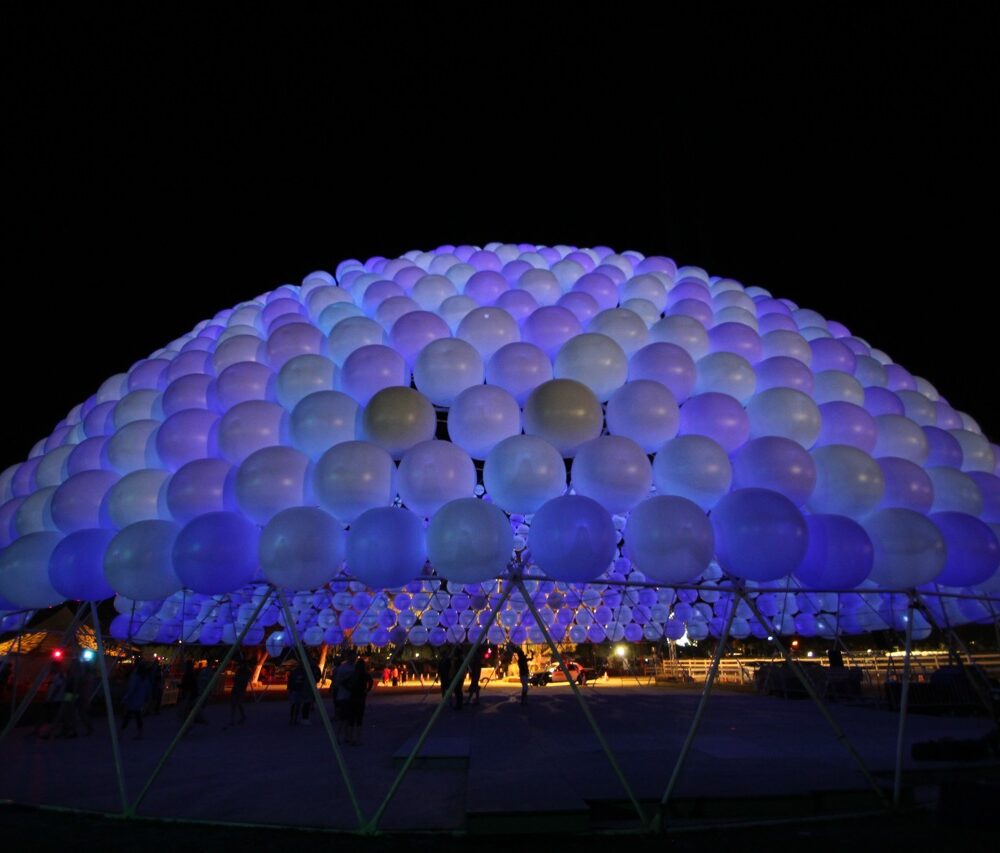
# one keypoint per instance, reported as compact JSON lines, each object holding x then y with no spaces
{"x":554,"y":674}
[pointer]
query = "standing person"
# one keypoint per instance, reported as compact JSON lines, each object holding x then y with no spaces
{"x":456,"y":665}
{"x":54,"y":694}
{"x":307,"y":694}
{"x":444,"y":673}
{"x":394,"y":675}
{"x":241,"y":680}
{"x":296,"y":692}
{"x":523,"y":673}
{"x":386,"y":672}
{"x":361,"y":683}
{"x":475,"y":676}
{"x":340,"y":687}
{"x":156,"y":680}
{"x":136,"y":696}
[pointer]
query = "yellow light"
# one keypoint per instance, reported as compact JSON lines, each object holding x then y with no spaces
{"x":620,"y":651}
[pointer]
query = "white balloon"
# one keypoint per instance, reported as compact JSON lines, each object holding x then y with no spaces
{"x":481,"y":417}
{"x":354,"y":476}
{"x":595,"y":360}
{"x":433,"y":473}
{"x":614,"y":471}
{"x":445,"y":368}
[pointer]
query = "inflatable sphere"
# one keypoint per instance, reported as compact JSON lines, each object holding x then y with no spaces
{"x":609,"y":425}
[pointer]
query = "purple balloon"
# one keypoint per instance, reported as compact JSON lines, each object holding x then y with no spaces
{"x":667,"y":364}
{"x":186,"y":436}
{"x":413,"y":331}
{"x":599,"y":286}
{"x":831,"y":354}
{"x":972,"y":548}
{"x":839,"y":555}
{"x":782,"y":371}
{"x":86,"y":456}
{"x":240,"y":382}
{"x":76,"y":504}
{"x":718,"y":416}
{"x":846,"y":423}
{"x":989,"y":487}
{"x":775,"y":463}
{"x":76,"y":567}
{"x":189,"y":392}
{"x":217,"y":553}
{"x":943,"y":448}
{"x":881,"y":401}
{"x":549,"y":327}
{"x":201,"y":486}
{"x":736,"y":338}
{"x":760,"y":535}
{"x":907,"y":485}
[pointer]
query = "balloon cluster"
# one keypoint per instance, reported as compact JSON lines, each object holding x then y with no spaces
{"x":406,"y":427}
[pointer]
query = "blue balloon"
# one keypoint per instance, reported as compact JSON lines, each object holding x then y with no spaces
{"x":775,"y":463}
{"x":217,"y":553}
{"x":972,"y":547}
{"x":572,"y":538}
{"x":839,"y":555}
{"x":760,"y":535}
{"x":386,"y":547}
{"x":76,"y":567}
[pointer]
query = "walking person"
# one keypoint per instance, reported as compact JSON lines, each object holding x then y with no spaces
{"x":360,"y":685}
{"x":475,"y":676}
{"x":241,"y":680}
{"x":340,"y":687}
{"x":523,"y":673}
{"x":137,"y":694}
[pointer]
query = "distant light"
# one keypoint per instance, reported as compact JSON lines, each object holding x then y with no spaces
{"x":57,"y":654}
{"x":809,"y":654}
{"x":87,"y":655}
{"x":795,"y":643}
{"x":620,"y":651}
{"x":769,"y":638}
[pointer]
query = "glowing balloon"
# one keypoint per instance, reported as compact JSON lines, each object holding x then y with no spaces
{"x":693,"y":467}
{"x":670,"y":539}
{"x":76,"y":567}
{"x":846,"y":423}
{"x":549,"y":327}
{"x":488,"y":329}
{"x":273,"y":479}
{"x":301,"y":548}
{"x":614,"y":471}
{"x":446,"y":367}
{"x":205,"y":485}
{"x":76,"y":504}
{"x":249,"y":427}
{"x":839,"y":554}
{"x":304,"y":375}
{"x":216,"y":553}
{"x":955,"y":491}
{"x":666,"y":363}
{"x":523,"y":472}
{"x":518,"y":368}
{"x":354,"y":476}
{"x":565,"y":413}
{"x":759,"y":535}
{"x":775,"y":463}
{"x":135,"y":497}
{"x":644,"y":411}
{"x":973,"y":552}
{"x":572,"y":538}
{"x":717,"y":416}
{"x":433,"y":473}
{"x":848,"y":481}
{"x":139,"y":562}
{"x":386,"y":547}
{"x":369,"y":369}
{"x":909,"y":548}
{"x":482,"y":416}
{"x":322,"y":420}
{"x":24,"y":571}
{"x":469,"y":541}
{"x":784,"y":412}
{"x":398,"y":418}
{"x":899,"y":436}
{"x":594,"y":360}
{"x":907,"y":485}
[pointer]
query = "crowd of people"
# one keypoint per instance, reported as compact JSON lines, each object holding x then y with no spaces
{"x":137,"y":688}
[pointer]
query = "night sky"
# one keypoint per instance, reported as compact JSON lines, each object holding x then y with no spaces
{"x":164,"y":169}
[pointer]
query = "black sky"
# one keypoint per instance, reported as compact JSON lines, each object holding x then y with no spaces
{"x":162,"y":169}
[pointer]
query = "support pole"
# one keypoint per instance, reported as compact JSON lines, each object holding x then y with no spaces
{"x":840,"y":734}
{"x":713,"y":672}
{"x":904,"y":695}
{"x":327,"y":725}
{"x":372,"y":826}
{"x":42,"y":675}
{"x":519,"y":583}
{"x":109,"y":706}
{"x":199,"y":702}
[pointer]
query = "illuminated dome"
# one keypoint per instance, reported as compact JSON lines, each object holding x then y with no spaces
{"x":633,"y":436}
